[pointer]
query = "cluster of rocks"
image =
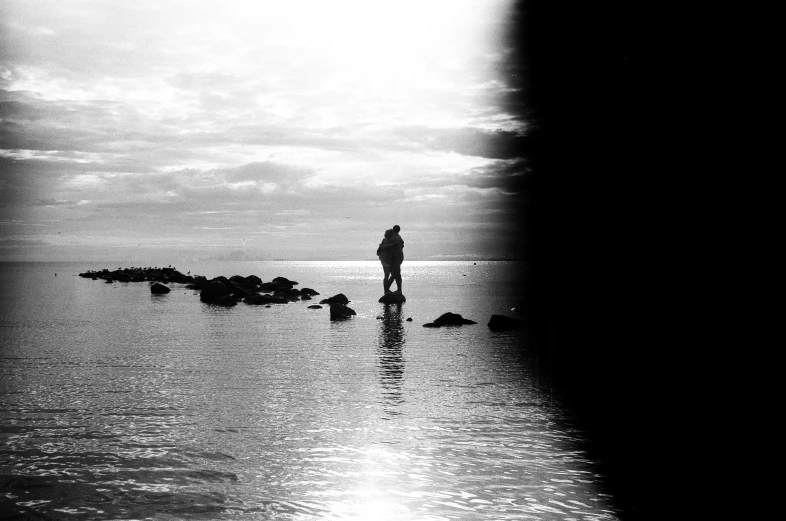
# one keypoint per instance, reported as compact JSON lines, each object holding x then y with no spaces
{"x":251,"y":290}
{"x":162,"y":275}
{"x":226,"y":292}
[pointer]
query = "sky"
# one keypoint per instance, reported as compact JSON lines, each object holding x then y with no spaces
{"x":259,"y":130}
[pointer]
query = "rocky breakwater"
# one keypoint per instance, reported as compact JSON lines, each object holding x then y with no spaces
{"x":161,"y":275}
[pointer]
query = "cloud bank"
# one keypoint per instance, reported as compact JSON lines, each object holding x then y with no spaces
{"x":280,"y":130}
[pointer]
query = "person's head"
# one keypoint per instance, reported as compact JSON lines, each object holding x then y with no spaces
{"x":396,"y":228}
{"x":388,"y":234}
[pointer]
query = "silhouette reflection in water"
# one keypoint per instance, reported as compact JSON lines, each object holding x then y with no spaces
{"x":390,"y":359}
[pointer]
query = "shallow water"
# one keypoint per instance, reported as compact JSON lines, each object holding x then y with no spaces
{"x":119,"y":404}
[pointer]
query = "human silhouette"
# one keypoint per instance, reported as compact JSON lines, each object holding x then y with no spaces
{"x":395,"y":245}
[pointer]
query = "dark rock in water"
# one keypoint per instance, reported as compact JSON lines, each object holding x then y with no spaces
{"x":214,"y":290}
{"x":392,"y":298}
{"x":305,"y":297}
{"x":504,"y":323}
{"x":252,"y":281}
{"x":249,"y":282}
{"x":315,"y":306}
{"x":340,"y":311}
{"x":336,"y":299}
{"x":236,"y":290}
{"x":450,"y":319}
{"x":120,"y":276}
{"x":309,"y":291}
{"x":258,"y":300}
{"x":267,"y":287}
{"x":283,"y":283}
{"x":159,"y":289}
{"x":199,"y":283}
{"x":409,"y":319}
{"x":225,"y":301}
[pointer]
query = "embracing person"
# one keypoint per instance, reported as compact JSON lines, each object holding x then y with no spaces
{"x":391,"y":255}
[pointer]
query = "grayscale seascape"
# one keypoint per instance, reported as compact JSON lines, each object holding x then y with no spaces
{"x":119,"y":404}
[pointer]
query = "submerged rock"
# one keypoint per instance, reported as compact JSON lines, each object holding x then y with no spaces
{"x":159,"y":289}
{"x":315,"y":306}
{"x":336,"y":299}
{"x":504,"y":323}
{"x":450,"y":319}
{"x":340,"y":311}
{"x":392,"y":298}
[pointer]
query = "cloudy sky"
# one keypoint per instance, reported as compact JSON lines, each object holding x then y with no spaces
{"x":258,"y":130}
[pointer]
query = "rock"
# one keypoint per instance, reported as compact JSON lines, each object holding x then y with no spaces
{"x":315,"y":306}
{"x":336,"y":299}
{"x":409,"y":319}
{"x":225,"y":301}
{"x":252,"y":281}
{"x":282,"y":283}
{"x":450,"y":319}
{"x":214,"y":290}
{"x":267,"y":287}
{"x":199,"y":283}
{"x":120,"y":276}
{"x":159,"y":289}
{"x":309,"y":291}
{"x":392,"y":298}
{"x":305,"y":297}
{"x":249,"y":282}
{"x":504,"y":323}
{"x":340,"y":311}
{"x":258,"y":300}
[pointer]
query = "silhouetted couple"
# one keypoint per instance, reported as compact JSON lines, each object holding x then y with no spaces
{"x":391,"y":255}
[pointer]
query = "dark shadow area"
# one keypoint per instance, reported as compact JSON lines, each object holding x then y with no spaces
{"x":390,"y":359}
{"x":613,"y":95}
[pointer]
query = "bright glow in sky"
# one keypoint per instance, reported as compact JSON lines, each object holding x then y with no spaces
{"x":257,"y":129}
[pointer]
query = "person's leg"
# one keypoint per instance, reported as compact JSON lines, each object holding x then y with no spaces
{"x":395,"y":271}
{"x":387,"y":281}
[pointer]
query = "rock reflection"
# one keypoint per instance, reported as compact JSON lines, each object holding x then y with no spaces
{"x":390,"y":360}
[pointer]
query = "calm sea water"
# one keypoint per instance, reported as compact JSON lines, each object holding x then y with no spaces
{"x":119,"y":404}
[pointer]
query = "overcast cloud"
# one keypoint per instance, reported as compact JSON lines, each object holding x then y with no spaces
{"x":258,"y":130}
